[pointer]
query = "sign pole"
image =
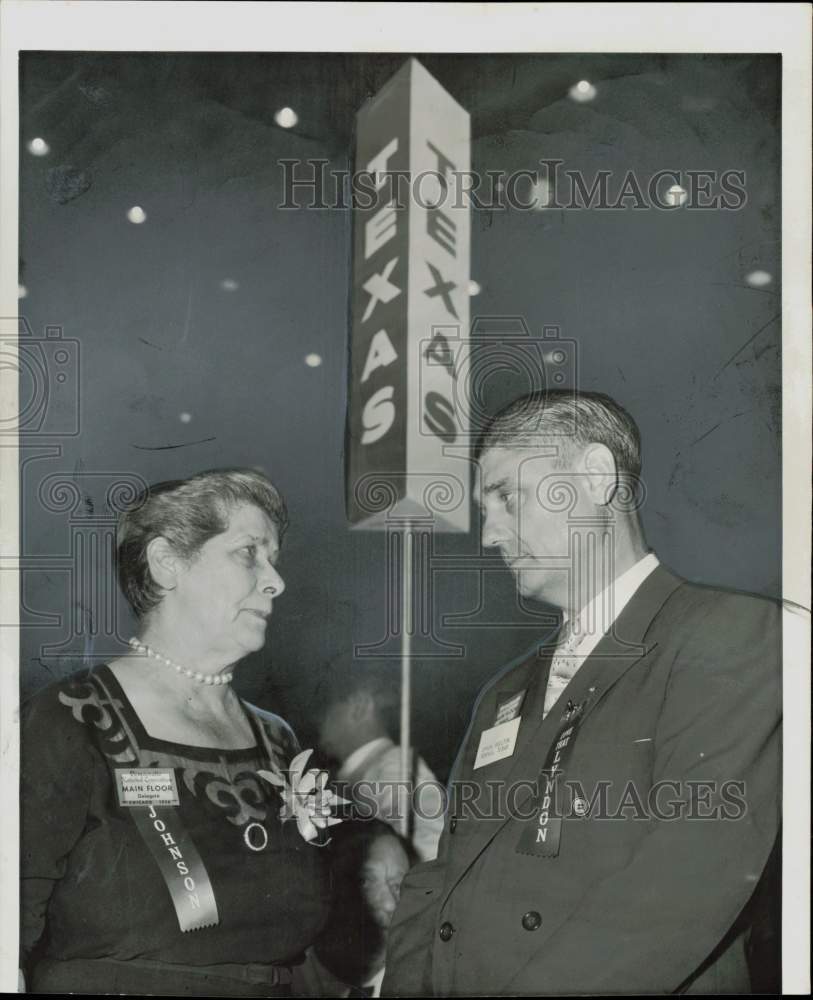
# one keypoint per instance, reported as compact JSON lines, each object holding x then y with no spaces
{"x":407,"y":425}
{"x":407,"y":563}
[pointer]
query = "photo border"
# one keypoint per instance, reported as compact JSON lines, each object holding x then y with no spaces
{"x":462,"y":27}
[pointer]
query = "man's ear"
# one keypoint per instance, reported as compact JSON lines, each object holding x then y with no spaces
{"x":598,"y":463}
{"x":164,"y":563}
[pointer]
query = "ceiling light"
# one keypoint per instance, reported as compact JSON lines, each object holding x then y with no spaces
{"x":286,"y":117}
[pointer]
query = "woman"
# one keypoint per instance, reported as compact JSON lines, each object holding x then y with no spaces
{"x":153,"y":857}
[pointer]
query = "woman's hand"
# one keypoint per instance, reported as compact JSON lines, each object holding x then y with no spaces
{"x":20,"y":981}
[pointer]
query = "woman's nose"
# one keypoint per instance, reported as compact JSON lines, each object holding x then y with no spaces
{"x":272,"y":583}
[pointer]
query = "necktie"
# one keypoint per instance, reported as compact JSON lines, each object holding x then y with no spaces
{"x":563,"y":666}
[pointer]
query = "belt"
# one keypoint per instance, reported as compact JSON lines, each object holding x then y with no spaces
{"x":108,"y":975}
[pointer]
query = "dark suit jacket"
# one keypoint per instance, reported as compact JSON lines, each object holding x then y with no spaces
{"x":685,"y":689}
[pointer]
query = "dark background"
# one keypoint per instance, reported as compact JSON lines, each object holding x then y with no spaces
{"x":657,"y":303}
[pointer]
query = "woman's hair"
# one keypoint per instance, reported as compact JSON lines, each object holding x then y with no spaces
{"x":187,"y":512}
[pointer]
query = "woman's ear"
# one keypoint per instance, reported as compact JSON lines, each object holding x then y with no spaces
{"x":164,"y":563}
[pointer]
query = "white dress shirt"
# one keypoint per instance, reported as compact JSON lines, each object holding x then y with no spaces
{"x":581,"y":636}
{"x":378,"y":765}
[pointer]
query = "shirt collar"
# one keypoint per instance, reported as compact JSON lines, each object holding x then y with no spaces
{"x":361,"y":755}
{"x":597,"y":618}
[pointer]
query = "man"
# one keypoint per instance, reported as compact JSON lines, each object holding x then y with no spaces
{"x":356,"y":728}
{"x":617,"y":795}
{"x":368,"y":864}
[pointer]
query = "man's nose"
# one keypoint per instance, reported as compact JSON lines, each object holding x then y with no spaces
{"x":391,"y":898}
{"x":493,"y":531}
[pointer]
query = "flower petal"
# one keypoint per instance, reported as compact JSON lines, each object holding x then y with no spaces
{"x":306,"y":828}
{"x":307,"y":783}
{"x":297,"y":765}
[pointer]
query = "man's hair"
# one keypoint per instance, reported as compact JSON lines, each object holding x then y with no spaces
{"x":347,"y":677}
{"x":568,"y":419}
{"x":187,"y":512}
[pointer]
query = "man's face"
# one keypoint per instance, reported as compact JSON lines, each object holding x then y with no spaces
{"x":383,"y":871}
{"x":526,"y":516}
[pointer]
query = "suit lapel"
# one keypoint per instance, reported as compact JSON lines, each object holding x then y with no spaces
{"x":531,"y":674}
{"x":538,"y":671}
{"x":617,"y":651}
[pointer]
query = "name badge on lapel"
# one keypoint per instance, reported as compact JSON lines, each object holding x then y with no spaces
{"x":509,"y":708}
{"x":497,"y":743}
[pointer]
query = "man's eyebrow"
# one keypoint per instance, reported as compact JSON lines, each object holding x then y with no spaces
{"x":497,"y":485}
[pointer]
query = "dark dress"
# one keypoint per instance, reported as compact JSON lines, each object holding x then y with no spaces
{"x":97,"y":913}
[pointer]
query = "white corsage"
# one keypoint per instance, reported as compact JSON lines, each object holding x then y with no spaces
{"x":306,"y":797}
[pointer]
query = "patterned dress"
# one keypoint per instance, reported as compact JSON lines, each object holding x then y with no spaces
{"x":95,"y":905}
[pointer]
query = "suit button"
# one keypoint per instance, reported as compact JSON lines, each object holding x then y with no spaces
{"x":446,"y":931}
{"x":453,"y":825}
{"x":531,"y":920}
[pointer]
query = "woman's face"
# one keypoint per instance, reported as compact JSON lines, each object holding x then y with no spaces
{"x":225,"y":593}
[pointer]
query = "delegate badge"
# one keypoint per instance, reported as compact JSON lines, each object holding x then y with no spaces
{"x":146,"y":786}
{"x":497,"y":743}
{"x":509,"y":708}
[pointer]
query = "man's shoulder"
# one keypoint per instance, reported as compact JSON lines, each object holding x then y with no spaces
{"x":389,"y":762}
{"x":718,"y":618}
{"x":385,"y":762}
{"x":707,"y":605}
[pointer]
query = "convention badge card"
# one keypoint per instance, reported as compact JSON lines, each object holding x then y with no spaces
{"x":497,"y":743}
{"x":209,"y":261}
{"x":146,"y":786}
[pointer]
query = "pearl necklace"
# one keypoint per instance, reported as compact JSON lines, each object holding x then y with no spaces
{"x":193,"y":675}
